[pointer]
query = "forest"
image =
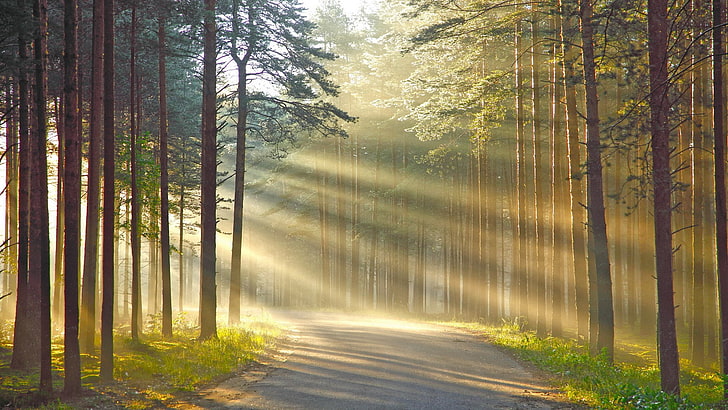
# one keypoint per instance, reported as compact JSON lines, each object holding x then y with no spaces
{"x":556,"y":164}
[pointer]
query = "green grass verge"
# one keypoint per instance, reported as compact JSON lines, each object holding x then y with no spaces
{"x":594,"y":382}
{"x":151,"y":372}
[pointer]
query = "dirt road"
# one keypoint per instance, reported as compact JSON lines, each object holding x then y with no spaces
{"x":338,"y":361}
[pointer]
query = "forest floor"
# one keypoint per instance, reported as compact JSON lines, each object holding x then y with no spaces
{"x":335,"y":360}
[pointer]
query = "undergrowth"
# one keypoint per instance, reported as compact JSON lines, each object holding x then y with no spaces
{"x":596,"y":383}
{"x":151,"y":371}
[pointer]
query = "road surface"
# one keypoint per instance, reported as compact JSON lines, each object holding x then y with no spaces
{"x":340,"y":361}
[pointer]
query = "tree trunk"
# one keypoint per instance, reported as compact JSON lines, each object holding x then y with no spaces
{"x":39,"y":244}
{"x":325,"y":297}
{"x":164,"y":183}
{"x":558,"y":187}
{"x":72,"y":200}
{"x":576,"y":192}
{"x":91,"y":246}
{"x":595,"y":192}
{"x":240,"y":155}
{"x":720,"y":184}
{"x":701,"y":192}
{"x":60,"y":211}
{"x":208,"y":297}
{"x":356,"y":290}
{"x":538,"y":279}
{"x":136,"y":299}
{"x":25,"y":341}
{"x":182,"y":272}
{"x":108,"y":306}
{"x":658,"y":25}
{"x":340,"y":262}
{"x":11,"y":178}
{"x":519,"y":295}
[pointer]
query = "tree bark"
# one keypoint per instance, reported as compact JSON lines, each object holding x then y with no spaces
{"x":659,"y":27}
{"x":325,"y":295}
{"x":208,"y":297}
{"x":241,"y":133}
{"x":91,"y":245}
{"x":164,"y":183}
{"x":107,"y":307}
{"x":576,"y":193}
{"x":136,"y":299}
{"x":57,"y":300}
{"x":595,"y":192}
{"x":38,"y":235}
{"x":25,"y":343}
{"x":720,"y":183}
{"x":538,"y":278}
{"x":72,"y":201}
{"x":356,"y":291}
{"x":519,"y":306}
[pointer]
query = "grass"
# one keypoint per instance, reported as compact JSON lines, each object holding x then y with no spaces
{"x":633,"y":381}
{"x":151,"y":372}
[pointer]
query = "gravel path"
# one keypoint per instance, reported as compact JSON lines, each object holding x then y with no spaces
{"x":339,"y":361}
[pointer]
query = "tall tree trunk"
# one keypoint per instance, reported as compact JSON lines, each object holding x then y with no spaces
{"x":356,"y":290}
{"x":164,"y":183}
{"x":182,"y":272}
{"x":576,"y":190}
{"x":25,"y":342}
{"x":558,"y":182}
{"x":720,"y":184}
{"x":658,"y":25}
{"x":72,"y":200}
{"x":340,"y":262}
{"x":39,"y":243}
{"x":208,"y":297}
{"x":520,"y":246}
{"x":91,"y":246}
{"x":538,"y":278}
{"x":136,"y":299}
{"x":701,"y":192}
{"x":240,"y":153}
{"x":374,"y":245}
{"x":595,"y":192}
{"x":325,"y":297}
{"x":108,"y":306}
{"x":419,"y":295}
{"x":60,"y":211}
{"x":11,"y":178}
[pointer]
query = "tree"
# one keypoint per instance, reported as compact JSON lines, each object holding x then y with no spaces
{"x":720,"y":185}
{"x":595,"y":192}
{"x":91,"y":245}
{"x":164,"y":182}
{"x":208,"y":202}
{"x":25,"y":342}
{"x":38,"y":240}
{"x":274,"y":44}
{"x":662,"y":184}
{"x":72,"y":200}
{"x":136,"y":298}
{"x":107,"y":307}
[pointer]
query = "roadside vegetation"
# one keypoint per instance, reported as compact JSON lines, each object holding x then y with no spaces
{"x":632,"y":382}
{"x":150,"y":373}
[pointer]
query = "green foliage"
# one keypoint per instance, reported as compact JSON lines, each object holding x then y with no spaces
{"x":593,"y":381}
{"x":151,"y":372}
{"x":183,"y":363}
{"x":6,"y":332}
{"x":646,"y":398}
